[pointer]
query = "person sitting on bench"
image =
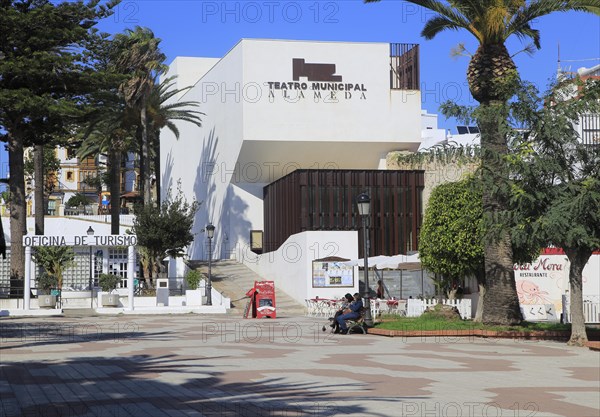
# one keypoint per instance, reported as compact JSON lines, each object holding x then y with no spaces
{"x":334,"y":324}
{"x":351,"y":313}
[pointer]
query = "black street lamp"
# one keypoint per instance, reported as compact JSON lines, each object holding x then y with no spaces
{"x":364,"y":204}
{"x":210,"y":233}
{"x":90,"y":232}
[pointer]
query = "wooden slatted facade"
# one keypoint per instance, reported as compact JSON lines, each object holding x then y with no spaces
{"x":325,"y":200}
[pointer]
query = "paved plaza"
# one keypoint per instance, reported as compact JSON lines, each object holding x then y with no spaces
{"x":191,"y":365}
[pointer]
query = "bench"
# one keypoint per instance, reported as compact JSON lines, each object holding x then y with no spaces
{"x":354,"y":325}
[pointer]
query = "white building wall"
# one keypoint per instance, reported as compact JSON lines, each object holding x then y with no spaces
{"x":243,"y":211}
{"x":189,"y":70}
{"x":252,"y":135}
{"x":290,"y":267}
{"x":202,"y":159}
{"x":591,"y":276}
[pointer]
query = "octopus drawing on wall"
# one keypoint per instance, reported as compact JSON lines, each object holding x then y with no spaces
{"x":529,"y":293}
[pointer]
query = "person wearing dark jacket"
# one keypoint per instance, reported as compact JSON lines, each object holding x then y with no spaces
{"x":351,"y":313}
{"x":334,"y":324}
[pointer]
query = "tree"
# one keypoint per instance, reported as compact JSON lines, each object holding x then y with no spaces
{"x":162,"y":112}
{"x":54,"y":260}
{"x":452,"y":236}
{"x":44,"y":76}
{"x":556,"y":179}
{"x":165,"y":230}
{"x":451,"y":239}
{"x":110,"y":128}
{"x":44,"y":174}
{"x":141,"y":58}
{"x":492,"y":77}
{"x":78,"y":199}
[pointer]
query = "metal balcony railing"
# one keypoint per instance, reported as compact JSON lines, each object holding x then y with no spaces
{"x":404,"y":66}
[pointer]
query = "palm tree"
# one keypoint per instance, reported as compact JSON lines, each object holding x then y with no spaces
{"x":110,"y":130}
{"x":492,"y":76}
{"x":141,"y":58}
{"x":162,"y":112}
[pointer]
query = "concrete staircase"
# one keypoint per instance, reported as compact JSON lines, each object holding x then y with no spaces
{"x":234,"y":279}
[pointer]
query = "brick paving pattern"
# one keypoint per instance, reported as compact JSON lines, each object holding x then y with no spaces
{"x":192,"y":365}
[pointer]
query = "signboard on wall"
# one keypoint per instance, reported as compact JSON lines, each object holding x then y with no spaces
{"x":318,"y":81}
{"x":542,"y":282}
{"x":332,"y":275}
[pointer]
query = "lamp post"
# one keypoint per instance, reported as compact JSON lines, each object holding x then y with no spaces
{"x":364,"y":202}
{"x":210,"y":232}
{"x":90,"y":232}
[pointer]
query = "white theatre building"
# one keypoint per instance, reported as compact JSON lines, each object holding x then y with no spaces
{"x":292,"y":132}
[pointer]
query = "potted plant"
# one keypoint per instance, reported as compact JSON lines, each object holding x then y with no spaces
{"x":108,"y":283}
{"x":46,"y":282}
{"x":193,"y":294}
{"x":55,"y":260}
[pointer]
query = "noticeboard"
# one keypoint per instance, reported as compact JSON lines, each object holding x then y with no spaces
{"x":332,"y":275}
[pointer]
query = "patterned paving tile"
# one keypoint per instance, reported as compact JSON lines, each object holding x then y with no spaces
{"x":223,"y":366}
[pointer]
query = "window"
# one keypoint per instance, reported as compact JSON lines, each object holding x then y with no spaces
{"x":256,"y":241}
{"x":70,"y":176}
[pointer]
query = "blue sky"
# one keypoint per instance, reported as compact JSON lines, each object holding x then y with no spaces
{"x":211,"y":28}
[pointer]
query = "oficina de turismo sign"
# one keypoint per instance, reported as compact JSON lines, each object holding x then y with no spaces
{"x":80,"y":240}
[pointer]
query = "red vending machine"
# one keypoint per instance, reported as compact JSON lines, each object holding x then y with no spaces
{"x":264,"y":300}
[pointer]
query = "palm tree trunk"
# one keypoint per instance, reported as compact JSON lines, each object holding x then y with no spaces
{"x":18,"y":211}
{"x":115,"y":189}
{"x":578,"y":258}
{"x":501,"y":303}
{"x":156,"y":145}
{"x":2,"y":241}
{"x":145,"y":155}
{"x":142,"y":163}
{"x":38,"y":175}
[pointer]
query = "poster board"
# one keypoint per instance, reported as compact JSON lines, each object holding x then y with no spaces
{"x":327,"y":274}
{"x":542,"y":283}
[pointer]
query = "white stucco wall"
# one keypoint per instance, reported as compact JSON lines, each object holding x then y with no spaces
{"x":189,"y":70}
{"x":291,"y":265}
{"x":199,"y":161}
{"x":591,"y":276}
{"x":64,"y":226}
{"x":251,"y":135}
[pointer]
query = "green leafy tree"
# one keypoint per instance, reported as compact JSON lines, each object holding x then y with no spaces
{"x":556,"y":179}
{"x":493,"y":78}
{"x":165,"y":230}
{"x":54,"y":260}
{"x":44,"y":77}
{"x":451,"y":239}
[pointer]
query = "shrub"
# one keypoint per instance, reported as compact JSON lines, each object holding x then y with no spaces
{"x":78,"y":199}
{"x":108,"y":282}
{"x":193,"y":278}
{"x":46,"y":282}
{"x":55,"y":260}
